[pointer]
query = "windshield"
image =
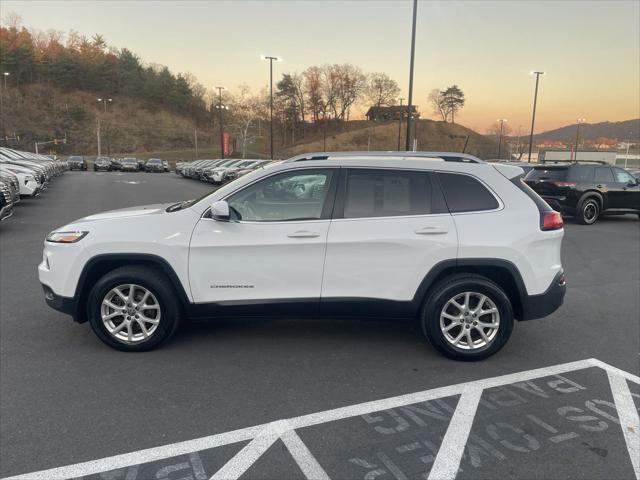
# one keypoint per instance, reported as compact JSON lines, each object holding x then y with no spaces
{"x":154,"y":160}
{"x":129,"y":160}
{"x":75,"y":159}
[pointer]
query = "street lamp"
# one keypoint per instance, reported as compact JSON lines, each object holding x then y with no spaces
{"x":104,"y":102}
{"x":271,"y":60}
{"x":533,"y":116}
{"x":220,"y":109}
{"x":400,"y":122}
{"x":578,"y":122}
{"x":5,"y":75}
{"x":501,"y":120}
{"x":413,"y":51}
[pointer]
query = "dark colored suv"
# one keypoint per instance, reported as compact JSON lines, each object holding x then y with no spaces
{"x":586,"y":191}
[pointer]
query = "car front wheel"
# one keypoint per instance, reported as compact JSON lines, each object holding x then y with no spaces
{"x":133,"y":309}
{"x":467,"y":317}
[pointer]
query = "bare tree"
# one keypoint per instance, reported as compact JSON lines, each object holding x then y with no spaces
{"x":245,"y":111}
{"x":350,"y":87}
{"x":313,"y":88}
{"x":380,"y":89}
{"x":494,"y":130}
{"x":437,"y":102}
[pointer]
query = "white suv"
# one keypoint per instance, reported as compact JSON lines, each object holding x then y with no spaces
{"x":462,"y":246}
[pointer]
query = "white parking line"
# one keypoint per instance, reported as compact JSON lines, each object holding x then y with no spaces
{"x":303,"y":457}
{"x":447,"y":460}
{"x":628,"y":416}
{"x":263,"y":436}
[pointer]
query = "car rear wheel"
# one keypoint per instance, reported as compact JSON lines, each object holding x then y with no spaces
{"x":467,"y":317}
{"x":588,"y":211}
{"x":133,"y":309}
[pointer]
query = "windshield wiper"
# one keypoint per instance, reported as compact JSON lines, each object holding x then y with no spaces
{"x":178,"y":206}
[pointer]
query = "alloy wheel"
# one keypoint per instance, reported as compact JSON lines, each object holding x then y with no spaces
{"x":130,"y":313}
{"x":470,"y":320}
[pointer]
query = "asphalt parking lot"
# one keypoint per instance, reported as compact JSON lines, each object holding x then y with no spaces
{"x":316,"y":398}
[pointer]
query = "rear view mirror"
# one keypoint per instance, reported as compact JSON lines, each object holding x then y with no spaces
{"x":220,"y":211}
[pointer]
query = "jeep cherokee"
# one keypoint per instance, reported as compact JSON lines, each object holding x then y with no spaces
{"x":460,"y":245}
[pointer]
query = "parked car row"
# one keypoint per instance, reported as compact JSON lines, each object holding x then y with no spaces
{"x":128,"y":164}
{"x":24,"y":174}
{"x":218,"y":171}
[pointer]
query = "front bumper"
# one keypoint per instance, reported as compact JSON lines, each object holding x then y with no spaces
{"x":539,"y":306}
{"x":61,"y":304}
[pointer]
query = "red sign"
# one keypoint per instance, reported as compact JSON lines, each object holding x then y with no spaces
{"x":225,"y":143}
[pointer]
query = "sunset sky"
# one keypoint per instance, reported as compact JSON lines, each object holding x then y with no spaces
{"x":590,"y":50}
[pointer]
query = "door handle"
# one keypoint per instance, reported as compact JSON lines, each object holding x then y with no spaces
{"x":303,"y":234}
{"x":598,"y":186}
{"x":431,"y":231}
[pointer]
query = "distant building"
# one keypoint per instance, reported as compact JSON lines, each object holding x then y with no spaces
{"x":394,"y":112}
{"x":550,"y":156}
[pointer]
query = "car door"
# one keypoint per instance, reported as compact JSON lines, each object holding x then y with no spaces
{"x":272,"y":249}
{"x":390,"y":227}
{"x":605,"y":184}
{"x":625,"y":193}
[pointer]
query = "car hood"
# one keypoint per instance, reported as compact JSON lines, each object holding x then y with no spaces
{"x":154,"y":209}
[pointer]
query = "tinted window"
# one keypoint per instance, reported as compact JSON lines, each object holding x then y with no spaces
{"x":622,"y":176}
{"x":603,"y":174}
{"x":581,"y":173}
{"x":289,"y":196}
{"x":386,"y":193}
{"x":466,"y":194}
{"x":547,"y":174}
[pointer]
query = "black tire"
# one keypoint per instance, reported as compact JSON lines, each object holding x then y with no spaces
{"x":148,"y":278}
{"x":588,"y":210}
{"x":447,"y":289}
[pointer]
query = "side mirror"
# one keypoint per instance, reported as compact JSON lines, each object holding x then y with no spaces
{"x":220,"y":211}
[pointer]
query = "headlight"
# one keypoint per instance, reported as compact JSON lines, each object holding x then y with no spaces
{"x":66,"y":237}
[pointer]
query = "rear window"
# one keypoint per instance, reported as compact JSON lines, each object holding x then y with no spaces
{"x":466,"y":194}
{"x":75,"y":159}
{"x":547,"y":174}
{"x":154,"y":161}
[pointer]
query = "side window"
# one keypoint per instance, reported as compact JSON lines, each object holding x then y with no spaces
{"x":289,"y":196}
{"x":581,"y":173}
{"x":622,"y":176}
{"x":466,"y":194}
{"x":386,"y":193}
{"x":603,"y":174}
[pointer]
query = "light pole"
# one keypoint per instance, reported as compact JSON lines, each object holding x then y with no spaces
{"x":5,"y":75}
{"x":578,"y":122}
{"x":271,"y":60}
{"x":533,"y":116}
{"x":220,"y":109}
{"x":413,"y":51}
{"x":501,"y":120}
{"x":104,"y":102}
{"x":400,"y":122}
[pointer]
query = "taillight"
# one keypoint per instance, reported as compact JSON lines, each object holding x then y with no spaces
{"x":558,"y":183}
{"x":551,"y":220}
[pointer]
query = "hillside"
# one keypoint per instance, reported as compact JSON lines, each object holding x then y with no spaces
{"x":40,"y":113}
{"x":431,"y":135}
{"x":590,"y":131}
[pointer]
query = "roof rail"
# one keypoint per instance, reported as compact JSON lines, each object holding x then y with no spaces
{"x":599,"y":162}
{"x":446,"y":156}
